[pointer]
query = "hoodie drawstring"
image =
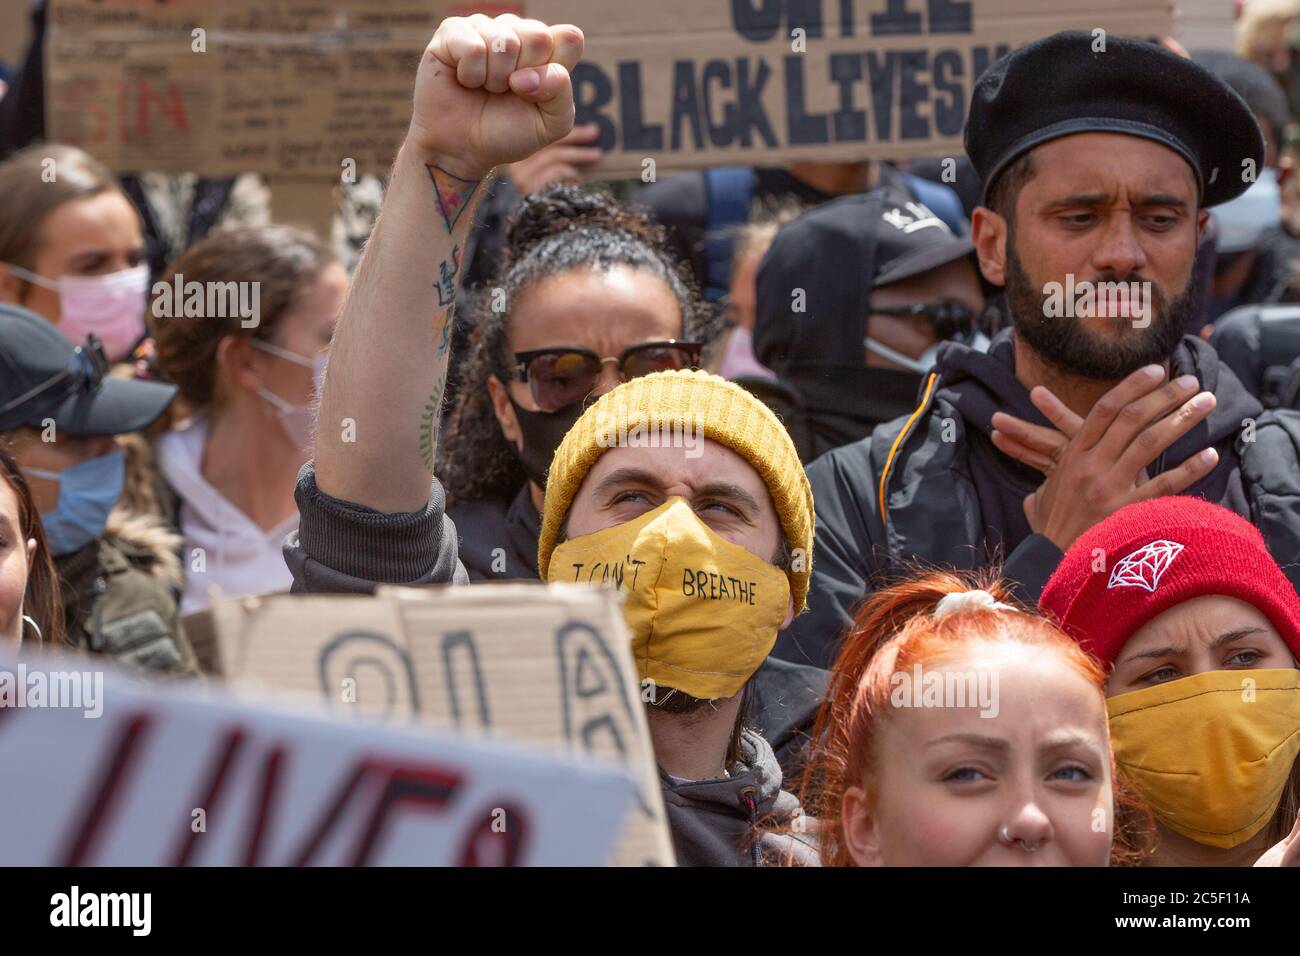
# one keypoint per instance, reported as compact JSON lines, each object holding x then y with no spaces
{"x":751,"y":810}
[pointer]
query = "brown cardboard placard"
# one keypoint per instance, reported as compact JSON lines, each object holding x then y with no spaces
{"x":1207,"y":25}
{"x":301,"y":90}
{"x":304,"y":202}
{"x":199,"y":630}
{"x":278,"y":87}
{"x":542,"y":664}
{"x":15,"y":17}
{"x":689,"y":83}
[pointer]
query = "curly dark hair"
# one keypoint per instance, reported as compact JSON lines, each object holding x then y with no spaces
{"x":557,"y":230}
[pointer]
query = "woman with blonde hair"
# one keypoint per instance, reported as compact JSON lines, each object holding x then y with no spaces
{"x":1264,"y":32}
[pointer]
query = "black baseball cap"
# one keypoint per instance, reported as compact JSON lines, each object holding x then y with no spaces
{"x":911,"y":240}
{"x":1067,"y":83}
{"x":44,"y":376}
{"x":836,"y":254}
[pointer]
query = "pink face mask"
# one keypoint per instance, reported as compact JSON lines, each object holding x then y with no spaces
{"x":111,"y":306}
{"x":299,"y":421}
{"x":738,"y":359}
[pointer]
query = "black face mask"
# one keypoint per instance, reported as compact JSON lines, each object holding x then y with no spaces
{"x":1226,"y":260}
{"x":842,"y":404}
{"x":543,"y":432}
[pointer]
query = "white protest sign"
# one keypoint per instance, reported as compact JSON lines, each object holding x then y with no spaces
{"x":182,"y":776}
{"x":542,"y":664}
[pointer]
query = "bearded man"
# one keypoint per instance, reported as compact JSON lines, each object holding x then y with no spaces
{"x":1098,"y":163}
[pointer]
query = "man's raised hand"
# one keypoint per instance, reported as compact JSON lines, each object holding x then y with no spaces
{"x":491,"y":91}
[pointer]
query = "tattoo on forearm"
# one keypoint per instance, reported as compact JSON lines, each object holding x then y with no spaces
{"x":444,"y":340}
{"x":447,"y":276}
{"x":452,"y":192}
{"x":429,"y":422}
{"x":431,"y":418}
{"x":453,"y":195}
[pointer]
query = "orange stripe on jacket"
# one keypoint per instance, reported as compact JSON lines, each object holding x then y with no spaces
{"x":889,"y":462}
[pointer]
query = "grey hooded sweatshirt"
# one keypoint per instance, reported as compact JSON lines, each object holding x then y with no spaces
{"x":348,"y":548}
{"x":713,"y":821}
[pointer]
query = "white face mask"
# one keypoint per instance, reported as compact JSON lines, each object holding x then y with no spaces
{"x":979,"y":342}
{"x":1242,"y":221}
{"x":110,"y":306}
{"x":298,"y":421}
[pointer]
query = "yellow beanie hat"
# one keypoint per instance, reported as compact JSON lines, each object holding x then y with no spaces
{"x":723,"y":412}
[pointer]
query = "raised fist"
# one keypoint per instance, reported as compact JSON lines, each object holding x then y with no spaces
{"x":491,"y":91}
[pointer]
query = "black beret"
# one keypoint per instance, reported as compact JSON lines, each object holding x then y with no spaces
{"x":1255,"y":85}
{"x":1058,"y":86}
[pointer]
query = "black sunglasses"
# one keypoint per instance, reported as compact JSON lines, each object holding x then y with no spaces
{"x":557,"y":377}
{"x":87,"y":367}
{"x":949,"y":319}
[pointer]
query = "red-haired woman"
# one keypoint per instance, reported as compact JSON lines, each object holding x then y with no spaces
{"x":962,"y":731}
{"x":1199,"y":631}
{"x":30,"y":609}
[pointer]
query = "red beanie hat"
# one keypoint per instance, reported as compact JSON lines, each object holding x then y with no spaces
{"x":1153,"y":555}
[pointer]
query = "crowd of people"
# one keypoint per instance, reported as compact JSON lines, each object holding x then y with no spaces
{"x":935,"y":568}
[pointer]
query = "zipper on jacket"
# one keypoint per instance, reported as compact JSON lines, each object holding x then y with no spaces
{"x":751,"y":811}
{"x":882,"y":493}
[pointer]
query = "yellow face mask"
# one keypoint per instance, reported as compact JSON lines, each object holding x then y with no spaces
{"x":703,"y":612}
{"x":1210,"y":753}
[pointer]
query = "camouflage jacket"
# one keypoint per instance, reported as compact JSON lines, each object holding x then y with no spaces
{"x":120,"y":599}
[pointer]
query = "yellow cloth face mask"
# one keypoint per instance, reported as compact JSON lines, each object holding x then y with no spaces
{"x":703,"y":612}
{"x":1210,"y":753}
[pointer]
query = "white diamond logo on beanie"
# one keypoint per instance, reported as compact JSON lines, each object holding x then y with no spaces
{"x":1145,"y":567}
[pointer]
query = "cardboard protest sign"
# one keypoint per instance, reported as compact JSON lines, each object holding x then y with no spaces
{"x":688,"y":83}
{"x":175,"y":776}
{"x":15,"y":16}
{"x":290,"y":89}
{"x":545,"y":664}
{"x":1206,"y":24}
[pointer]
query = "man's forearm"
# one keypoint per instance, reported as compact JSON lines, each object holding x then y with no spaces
{"x":378,"y":424}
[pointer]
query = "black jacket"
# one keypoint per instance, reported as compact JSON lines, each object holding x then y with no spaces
{"x":1272,"y":278}
{"x":498,"y":539}
{"x":952,"y":499}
